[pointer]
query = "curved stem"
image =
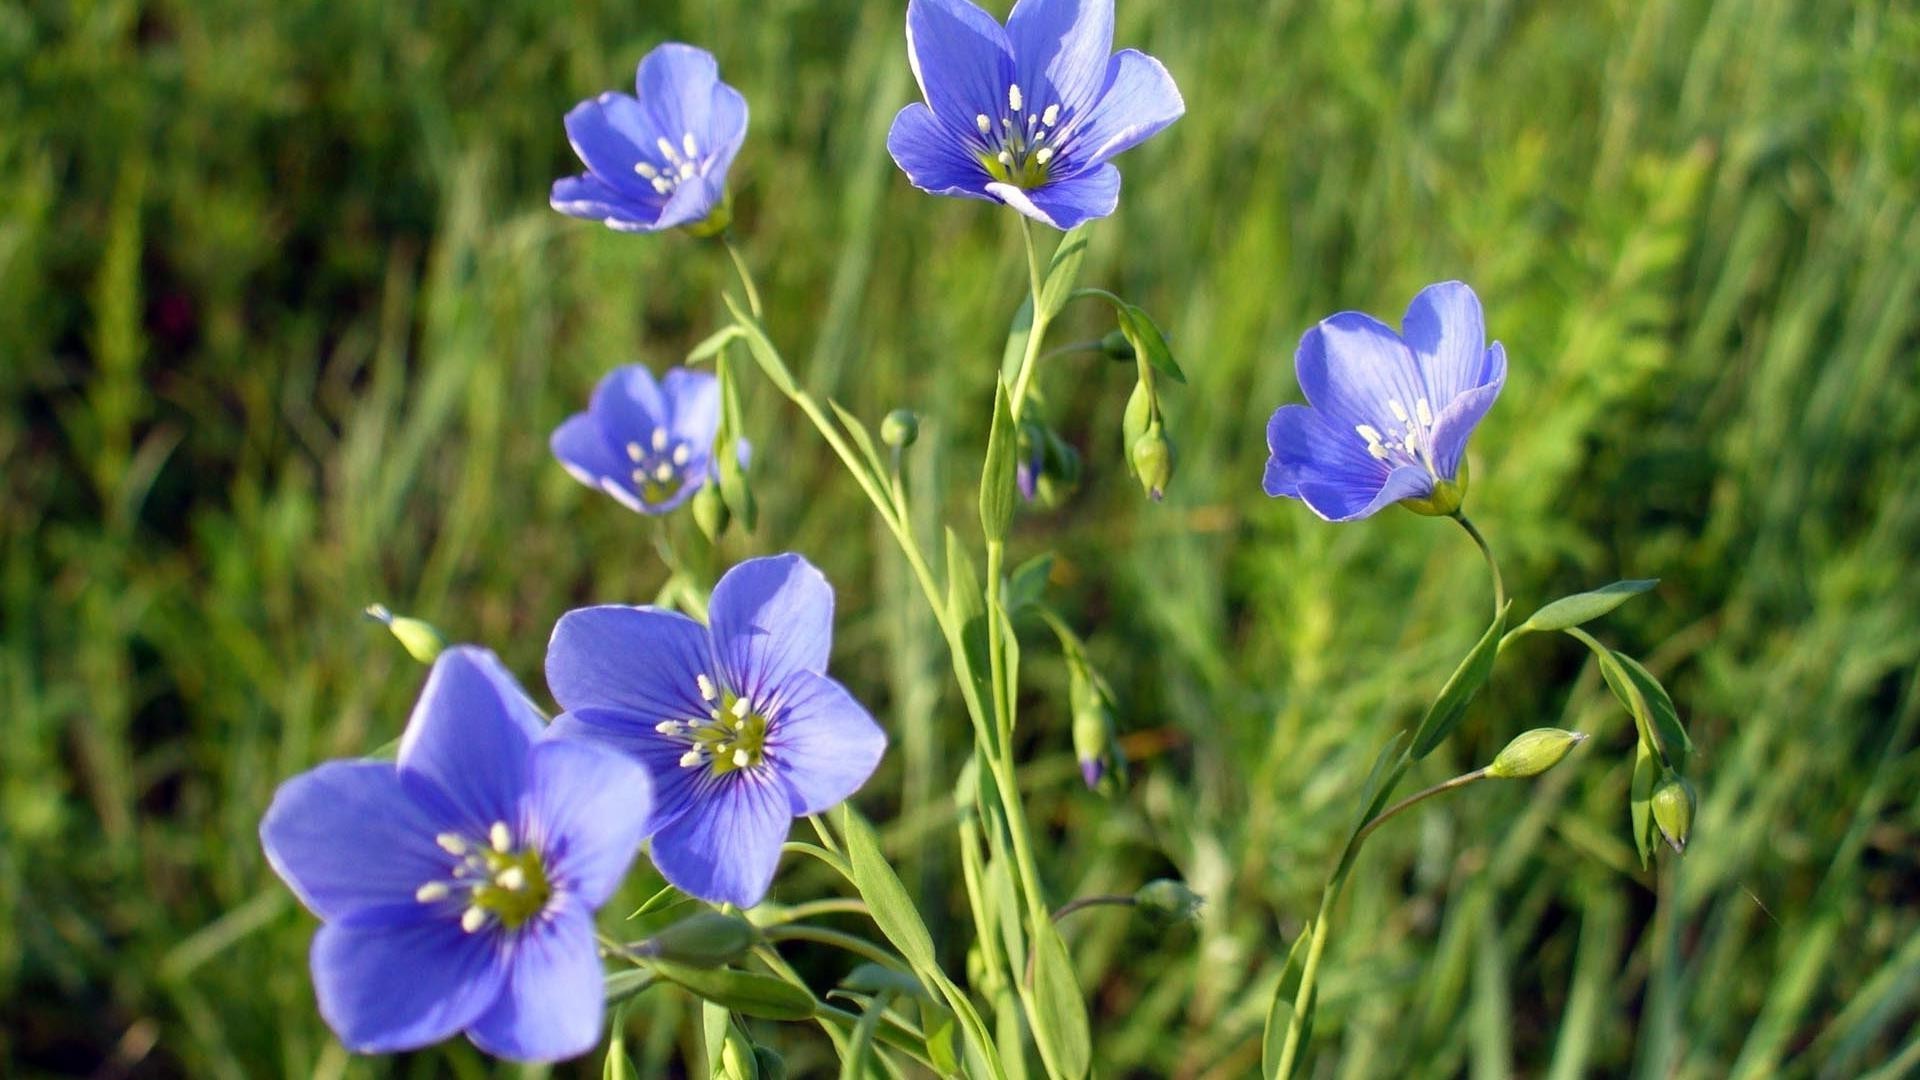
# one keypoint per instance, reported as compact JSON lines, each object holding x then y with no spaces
{"x":1069,"y":908}
{"x":1493,"y":565}
{"x":854,"y":944}
{"x":1416,"y":798}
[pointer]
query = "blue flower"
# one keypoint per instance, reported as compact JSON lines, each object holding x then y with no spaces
{"x":457,"y":887}
{"x":647,"y":444}
{"x":737,"y":720}
{"x":1389,"y":415}
{"x":1030,"y":114}
{"x":660,"y":161}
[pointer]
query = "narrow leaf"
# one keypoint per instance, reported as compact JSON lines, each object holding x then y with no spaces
{"x":1587,"y":606}
{"x":761,"y":347}
{"x":1064,"y":272}
{"x":863,"y":439}
{"x":853,"y":1063}
{"x":888,"y":899}
{"x":996,"y":479}
{"x":942,"y":1037}
{"x":710,"y":348}
{"x":741,"y":991}
{"x":1017,"y":335}
{"x":1472,"y":674}
{"x":967,"y":615}
{"x":1060,"y":1011}
{"x":1640,"y":801}
{"x":1147,"y":340}
{"x":1027,"y":585}
{"x":1666,"y":719}
{"x":628,"y":983}
{"x":1280,"y":1012}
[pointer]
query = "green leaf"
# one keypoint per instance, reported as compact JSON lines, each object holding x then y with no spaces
{"x":967,"y":615}
{"x":1060,"y":1010}
{"x":1448,"y":709}
{"x":628,"y":983}
{"x":853,"y":1063}
{"x":1647,"y":702}
{"x":714,"y":1022}
{"x":1064,"y":272}
{"x":1027,"y":585}
{"x":875,"y":979}
{"x":1587,"y":606}
{"x":1646,"y":773}
{"x":863,"y":439}
{"x":942,"y":1037}
{"x":741,"y":991}
{"x":1017,"y":334}
{"x":618,"y":1066}
{"x":1280,"y":1012}
{"x":1147,"y":340}
{"x":892,"y":906}
{"x":761,"y":347}
{"x":996,"y":479}
{"x":714,"y":342}
{"x":660,"y":901}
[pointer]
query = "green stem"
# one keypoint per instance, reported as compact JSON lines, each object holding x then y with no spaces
{"x":1414,"y":800}
{"x":746,"y":279}
{"x":854,"y":944}
{"x":1493,"y":565}
{"x":1037,"y":332}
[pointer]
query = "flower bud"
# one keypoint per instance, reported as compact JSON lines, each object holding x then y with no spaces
{"x":1166,"y":901}
{"x":733,"y":484}
{"x":1534,"y":752}
{"x":1095,"y":741}
{"x":421,"y":640}
{"x":900,"y":428}
{"x":710,"y":939}
{"x":1673,"y":804}
{"x":1116,"y":346}
{"x":1139,"y":414}
{"x":710,"y":512}
{"x":1152,"y":458}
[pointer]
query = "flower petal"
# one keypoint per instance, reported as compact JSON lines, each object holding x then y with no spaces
{"x":590,"y":807}
{"x":692,"y":201}
{"x":470,"y":736}
{"x":675,"y":83}
{"x":1354,"y":369}
{"x":551,"y":1005}
{"x":1337,"y":497}
{"x":1448,"y":334}
{"x":385,"y":988}
{"x":346,"y":837}
{"x":673,"y":787}
{"x":1140,"y":101}
{"x":1067,"y":202}
{"x":771,"y":617}
{"x":693,"y":407}
{"x":642,"y":661}
{"x":726,"y":127}
{"x":727,"y":846}
{"x":934,"y":160}
{"x":1060,"y":50}
{"x":1330,"y":469}
{"x":1457,"y":421}
{"x":628,"y":405}
{"x":584,"y":452}
{"x":961,"y":59}
{"x":823,"y":743}
{"x":587,"y":196}
{"x":608,"y":133}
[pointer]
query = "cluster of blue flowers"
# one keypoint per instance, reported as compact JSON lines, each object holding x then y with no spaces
{"x":474,"y":863}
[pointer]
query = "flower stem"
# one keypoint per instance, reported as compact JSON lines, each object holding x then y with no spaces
{"x":1037,"y":330}
{"x":1418,"y":797}
{"x":1493,"y":565}
{"x":746,"y":279}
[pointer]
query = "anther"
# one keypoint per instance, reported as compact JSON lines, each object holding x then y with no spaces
{"x":633,"y":451}
{"x":1013,"y":97}
{"x":1424,"y":412}
{"x":451,"y":844}
{"x":681,"y":454}
{"x":1005,"y":158}
{"x":1043,"y":155}
{"x":741,"y":707}
{"x":472,"y":919}
{"x":1051,"y":116}
{"x":501,"y":838}
{"x":691,"y":758}
{"x":687,"y":144}
{"x":985,"y":125}
{"x":707,"y":692}
{"x":666,"y":149}
{"x":431,"y":891}
{"x":662,"y":185}
{"x":659,"y":439}
{"x":512,"y":878}
{"x":740,"y":759}
{"x":1399,"y":410}
{"x":663,"y":472}
{"x":645,"y":170}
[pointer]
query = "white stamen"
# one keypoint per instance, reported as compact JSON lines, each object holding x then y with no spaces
{"x":740,"y":759}
{"x":659,"y":439}
{"x":1424,"y":411}
{"x":668,"y":727}
{"x":501,"y":838}
{"x":985,"y":125}
{"x":1043,"y":155}
{"x":633,"y":451}
{"x":645,"y":170}
{"x":687,"y":144}
{"x":686,"y":169}
{"x":741,"y":707}
{"x":666,"y":149}
{"x":681,"y":454}
{"x":1399,"y":410}
{"x":707,"y":692}
{"x":691,"y":758}
{"x":472,"y":919}
{"x":662,"y":185}
{"x":512,"y":878}
{"x":451,"y":844}
{"x":431,"y":891}
{"x":1051,"y":116}
{"x":1005,"y":158}
{"x":1013,"y":97}
{"x":663,"y":472}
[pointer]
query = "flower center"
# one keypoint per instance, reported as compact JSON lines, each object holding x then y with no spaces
{"x":500,"y":880}
{"x":659,"y":469}
{"x":1020,"y":147}
{"x":1408,"y":443}
{"x":733,"y":736}
{"x":674,"y":165}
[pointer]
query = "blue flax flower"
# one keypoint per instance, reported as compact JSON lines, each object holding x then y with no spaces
{"x":659,"y":161}
{"x":737,"y":720}
{"x":1030,"y":114}
{"x":1389,"y":414}
{"x":457,"y":887}
{"x":647,"y":444}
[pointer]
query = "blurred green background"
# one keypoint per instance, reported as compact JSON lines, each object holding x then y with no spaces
{"x":285,"y":321}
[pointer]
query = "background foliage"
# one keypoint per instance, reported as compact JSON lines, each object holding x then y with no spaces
{"x":284,"y":322}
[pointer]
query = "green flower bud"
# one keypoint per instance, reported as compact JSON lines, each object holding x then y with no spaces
{"x":1116,"y":346}
{"x":707,"y":940}
{"x":900,"y":429}
{"x":772,"y":1065}
{"x":710,"y":512}
{"x":1152,"y":457}
{"x":1096,"y":742}
{"x":733,"y":484}
{"x":1673,"y":805}
{"x":1534,"y":752}
{"x":421,"y":640}
{"x":737,"y":1058}
{"x":1138,"y":415}
{"x":1166,"y":901}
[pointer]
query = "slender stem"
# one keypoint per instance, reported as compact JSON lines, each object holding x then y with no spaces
{"x":833,"y":905}
{"x":1309,"y":975}
{"x":1037,"y":331}
{"x":746,"y":279}
{"x":821,"y":935}
{"x":1493,"y":565}
{"x":1085,"y":902}
{"x":1412,"y":800}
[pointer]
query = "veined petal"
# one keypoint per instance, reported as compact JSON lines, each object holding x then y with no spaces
{"x":1140,"y":100}
{"x":587,"y":196}
{"x":771,"y":617}
{"x":470,"y":737}
{"x":675,"y":83}
{"x":551,"y":1005}
{"x":934,"y":160}
{"x":607,"y":133}
{"x":589,"y":808}
{"x":1336,"y":497}
{"x":1066,"y":202}
{"x":673,"y":786}
{"x":693,"y":405}
{"x":1448,"y":335}
{"x":726,"y":847}
{"x":961,"y":59}
{"x":585,"y":452}
{"x":1456,"y":422}
{"x":1356,"y":370}
{"x":823,"y":743}
{"x":692,"y":201}
{"x":642,"y":661}
{"x":726,"y":129}
{"x":628,"y":405}
{"x":392,"y":987}
{"x":346,"y":837}
{"x":1061,"y":49}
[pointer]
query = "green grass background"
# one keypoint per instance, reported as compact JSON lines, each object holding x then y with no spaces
{"x":285,"y":320}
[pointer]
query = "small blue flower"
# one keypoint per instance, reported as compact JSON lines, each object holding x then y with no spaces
{"x":1030,"y":114}
{"x":737,"y":720}
{"x":660,"y":161}
{"x":457,"y":886}
{"x":1389,"y":415}
{"x":647,"y":444}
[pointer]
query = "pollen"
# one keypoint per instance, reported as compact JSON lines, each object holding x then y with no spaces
{"x":1013,"y":97}
{"x":1051,"y":116}
{"x":431,"y":892}
{"x":451,"y":843}
{"x":472,"y":919}
{"x":681,"y":454}
{"x":500,"y":837}
{"x":985,"y":125}
{"x":687,"y":144}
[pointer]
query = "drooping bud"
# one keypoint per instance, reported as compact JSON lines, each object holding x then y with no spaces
{"x":1152,"y":457}
{"x":1673,"y":805}
{"x":1116,"y":346}
{"x":710,"y":512}
{"x":710,"y":939}
{"x":1167,"y":901}
{"x":1096,"y":742}
{"x":1134,"y":423}
{"x":734,"y":488}
{"x":1534,"y":752}
{"x":900,"y":429}
{"x":420,"y":639}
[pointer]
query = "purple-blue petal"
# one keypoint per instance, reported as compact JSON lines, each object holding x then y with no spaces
{"x":1060,"y":50}
{"x":628,"y":405}
{"x":726,"y":130}
{"x":587,"y":196}
{"x":1352,"y":367}
{"x":676,"y":83}
{"x":726,"y":847}
{"x":823,"y":743}
{"x":585,"y":452}
{"x":551,"y":1005}
{"x":1330,"y":470}
{"x":1339,"y":497}
{"x":607,"y":133}
{"x":674,"y":788}
{"x":347,"y":838}
{"x":1066,"y":202}
{"x":934,"y":160}
{"x":388,"y":987}
{"x":1139,"y":102}
{"x":589,"y":808}
{"x":962,"y":60}
{"x":692,"y":201}
{"x":1447,"y":332}
{"x":1456,"y":422}
{"x":470,"y":737}
{"x":770,"y":618}
{"x":641,"y":661}
{"x":693,"y":407}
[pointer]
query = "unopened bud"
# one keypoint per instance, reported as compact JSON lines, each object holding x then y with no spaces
{"x":420,"y":639}
{"x":1534,"y":752}
{"x":734,"y":488}
{"x":1138,"y":415}
{"x":900,"y":428}
{"x":1116,"y":346}
{"x":710,"y":512}
{"x":1096,"y":743}
{"x":1167,"y":901}
{"x":710,"y":939}
{"x":1673,"y":804}
{"x":1152,"y":457}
